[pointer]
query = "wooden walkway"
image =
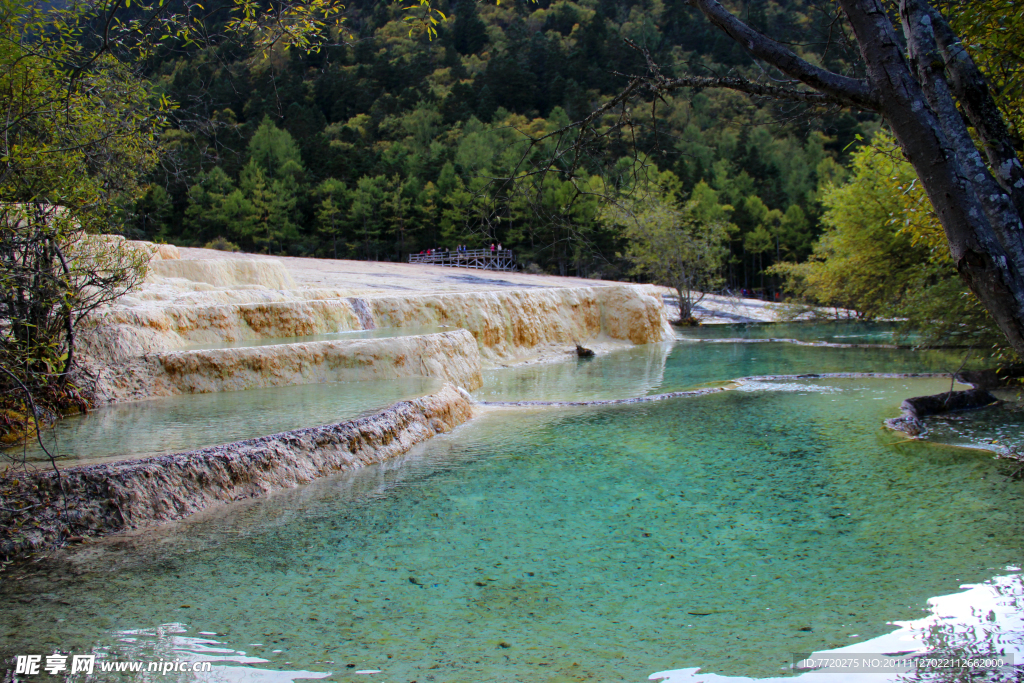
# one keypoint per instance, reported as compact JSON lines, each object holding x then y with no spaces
{"x":482,"y":259}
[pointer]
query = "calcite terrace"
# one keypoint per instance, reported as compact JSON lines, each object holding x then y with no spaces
{"x":233,"y":307}
{"x":207,"y":321}
{"x":105,"y":498}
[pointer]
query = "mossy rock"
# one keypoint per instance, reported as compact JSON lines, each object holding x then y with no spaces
{"x":15,"y":427}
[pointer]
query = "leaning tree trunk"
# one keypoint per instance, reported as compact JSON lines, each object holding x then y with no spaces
{"x":982,"y":225}
{"x":921,"y":98}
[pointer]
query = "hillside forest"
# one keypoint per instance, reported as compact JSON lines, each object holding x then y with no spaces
{"x":384,"y":144}
{"x":351,"y":132}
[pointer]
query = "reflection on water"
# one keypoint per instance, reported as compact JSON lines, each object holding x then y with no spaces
{"x":180,"y":423}
{"x":170,"y":643}
{"x":996,"y":428}
{"x":839,"y":332}
{"x":724,"y":532}
{"x":637,"y":371}
{"x":664,"y":368}
{"x":377,"y":333}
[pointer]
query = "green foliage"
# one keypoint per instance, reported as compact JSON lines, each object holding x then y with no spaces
{"x":76,"y":145}
{"x":676,"y":244}
{"x":883,"y":255}
{"x":222,"y":244}
{"x":366,"y":216}
{"x":993,"y":32}
{"x":456,"y":128}
{"x":82,"y":129}
{"x":334,"y":200}
{"x":274,"y":151}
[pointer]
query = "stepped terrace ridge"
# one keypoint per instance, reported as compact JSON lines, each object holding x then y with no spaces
{"x":208,"y":322}
{"x":112,"y":497}
{"x":144,"y":345}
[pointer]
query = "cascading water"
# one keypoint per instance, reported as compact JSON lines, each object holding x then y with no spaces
{"x":363,"y":312}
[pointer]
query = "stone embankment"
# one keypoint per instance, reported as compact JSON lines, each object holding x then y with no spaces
{"x":108,"y":498}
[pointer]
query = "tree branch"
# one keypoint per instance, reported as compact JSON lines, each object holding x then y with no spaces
{"x":1003,"y":216}
{"x":848,"y":91}
{"x":39,"y":437}
{"x":751,"y":88}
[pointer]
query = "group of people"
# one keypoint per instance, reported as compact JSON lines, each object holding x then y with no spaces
{"x":463,"y":249}
{"x":437,"y":251}
{"x":764,"y":296}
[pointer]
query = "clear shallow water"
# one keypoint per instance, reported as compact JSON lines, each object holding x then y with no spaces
{"x":662,"y":368}
{"x":378,"y":333}
{"x":959,"y":625}
{"x":723,"y":532}
{"x":995,"y":428}
{"x":180,"y":423}
{"x":840,"y":332}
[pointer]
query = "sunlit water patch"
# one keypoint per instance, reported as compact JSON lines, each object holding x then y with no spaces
{"x":180,"y":423}
{"x":983,"y":625}
{"x":723,"y":532}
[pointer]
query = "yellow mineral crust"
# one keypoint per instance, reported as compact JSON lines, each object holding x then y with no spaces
{"x":143,"y":345}
{"x":129,"y":494}
{"x":449,"y":356}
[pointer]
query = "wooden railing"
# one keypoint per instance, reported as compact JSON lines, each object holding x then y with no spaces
{"x":483,"y":259}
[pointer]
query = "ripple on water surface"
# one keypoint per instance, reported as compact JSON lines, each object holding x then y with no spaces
{"x":726,"y":532}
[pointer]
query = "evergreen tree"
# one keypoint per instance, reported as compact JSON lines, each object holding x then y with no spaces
{"x":365,"y":216}
{"x":334,"y":198}
{"x":272,"y":148}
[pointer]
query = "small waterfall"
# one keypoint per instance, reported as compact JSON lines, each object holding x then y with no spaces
{"x":363,"y":312}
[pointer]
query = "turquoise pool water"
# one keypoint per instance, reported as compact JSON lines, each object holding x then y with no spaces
{"x":839,"y":332}
{"x":663,"y":368}
{"x":723,"y":532}
{"x":180,"y":423}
